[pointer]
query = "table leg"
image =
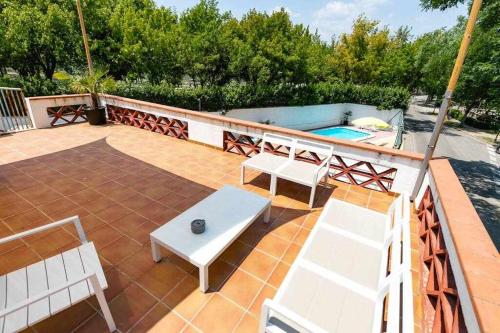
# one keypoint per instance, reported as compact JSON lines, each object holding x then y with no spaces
{"x":155,"y":251}
{"x":267,"y":215}
{"x":203,"y":278}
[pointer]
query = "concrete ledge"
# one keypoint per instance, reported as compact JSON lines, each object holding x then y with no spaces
{"x":184,"y":113}
{"x":475,"y":252}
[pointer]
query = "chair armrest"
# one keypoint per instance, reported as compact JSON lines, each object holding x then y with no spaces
{"x":74,"y":219}
{"x":323,"y":164}
{"x":293,"y":318}
{"x":45,"y":294}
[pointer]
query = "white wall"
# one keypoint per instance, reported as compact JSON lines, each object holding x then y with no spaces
{"x":456,"y":266}
{"x":312,"y":116}
{"x":37,"y":107}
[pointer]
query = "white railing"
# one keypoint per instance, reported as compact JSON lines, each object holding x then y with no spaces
{"x":14,"y":115}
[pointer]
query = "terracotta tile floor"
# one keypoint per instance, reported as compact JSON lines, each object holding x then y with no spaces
{"x":124,"y":182}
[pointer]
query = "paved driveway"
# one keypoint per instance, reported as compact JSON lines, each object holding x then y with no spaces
{"x":475,"y":163}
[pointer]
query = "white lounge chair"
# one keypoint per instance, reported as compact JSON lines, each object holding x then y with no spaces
{"x":268,"y":162}
{"x":302,"y":172}
{"x":338,"y":282}
{"x":38,"y":291}
{"x":287,"y":166}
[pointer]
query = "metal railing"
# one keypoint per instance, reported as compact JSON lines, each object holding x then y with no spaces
{"x":401,"y":128}
{"x":14,"y":115}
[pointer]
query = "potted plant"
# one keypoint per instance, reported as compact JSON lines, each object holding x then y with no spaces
{"x":347,"y":114}
{"x":94,"y":83}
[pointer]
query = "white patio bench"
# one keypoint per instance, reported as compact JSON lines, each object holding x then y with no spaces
{"x":286,"y":166}
{"x":339,"y":281}
{"x":38,"y":291}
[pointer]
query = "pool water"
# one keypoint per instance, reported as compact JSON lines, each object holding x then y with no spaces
{"x":342,"y":133}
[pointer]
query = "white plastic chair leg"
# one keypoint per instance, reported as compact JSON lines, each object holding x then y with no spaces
{"x":311,"y":198}
{"x":242,"y":176}
{"x":264,"y":316}
{"x":325,"y":178}
{"x":274,"y":184}
{"x":102,"y":303}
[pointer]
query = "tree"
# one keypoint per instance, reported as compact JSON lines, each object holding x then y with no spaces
{"x":39,"y":36}
{"x":440,"y":4}
{"x":269,"y":49}
{"x":357,"y":56}
{"x":146,"y":40}
{"x":436,"y":52}
{"x":203,"y":45}
{"x":479,"y":82}
{"x":398,"y":66}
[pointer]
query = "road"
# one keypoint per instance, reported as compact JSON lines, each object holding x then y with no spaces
{"x":474,"y":161}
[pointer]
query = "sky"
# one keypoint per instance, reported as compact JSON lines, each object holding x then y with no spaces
{"x":333,"y":17}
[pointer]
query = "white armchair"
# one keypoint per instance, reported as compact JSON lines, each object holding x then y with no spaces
{"x":38,"y":291}
{"x":286,"y":166}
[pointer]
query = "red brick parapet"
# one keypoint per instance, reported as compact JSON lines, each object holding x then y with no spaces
{"x":475,"y":252}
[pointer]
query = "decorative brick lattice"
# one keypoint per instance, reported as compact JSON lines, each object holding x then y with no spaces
{"x":66,"y":114}
{"x":442,"y":309}
{"x":159,"y":124}
{"x":359,"y":173}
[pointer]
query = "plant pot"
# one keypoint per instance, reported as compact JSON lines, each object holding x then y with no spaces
{"x":345,"y":122}
{"x":96,"y":116}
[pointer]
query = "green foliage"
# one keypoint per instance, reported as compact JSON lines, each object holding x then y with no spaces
{"x":435,"y":56}
{"x":36,"y":86}
{"x":38,"y":36}
{"x":94,"y":83}
{"x":270,"y":49}
{"x":144,"y":41}
{"x":259,"y":60}
{"x":439,"y":4}
{"x":486,"y":120}
{"x":97,"y":82}
{"x":235,"y":95}
{"x":445,"y":4}
{"x":204,"y":46}
{"x":480,"y":79}
{"x":456,"y":114}
{"x":479,"y":82}
{"x":372,"y":55}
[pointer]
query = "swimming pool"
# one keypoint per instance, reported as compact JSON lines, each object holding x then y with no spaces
{"x":343,"y":133}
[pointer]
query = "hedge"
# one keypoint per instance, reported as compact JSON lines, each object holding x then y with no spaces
{"x":36,"y":86}
{"x":486,"y":120}
{"x":234,"y":95}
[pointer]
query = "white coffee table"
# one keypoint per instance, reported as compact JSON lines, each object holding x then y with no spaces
{"x":227,"y":213}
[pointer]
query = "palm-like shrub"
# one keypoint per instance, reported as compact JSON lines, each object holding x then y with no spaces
{"x":98,"y":82}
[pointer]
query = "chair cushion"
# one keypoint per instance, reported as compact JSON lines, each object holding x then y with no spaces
{"x":356,"y":220}
{"x":327,"y":304}
{"x":344,"y":256}
{"x":265,"y":162}
{"x":299,"y":172}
